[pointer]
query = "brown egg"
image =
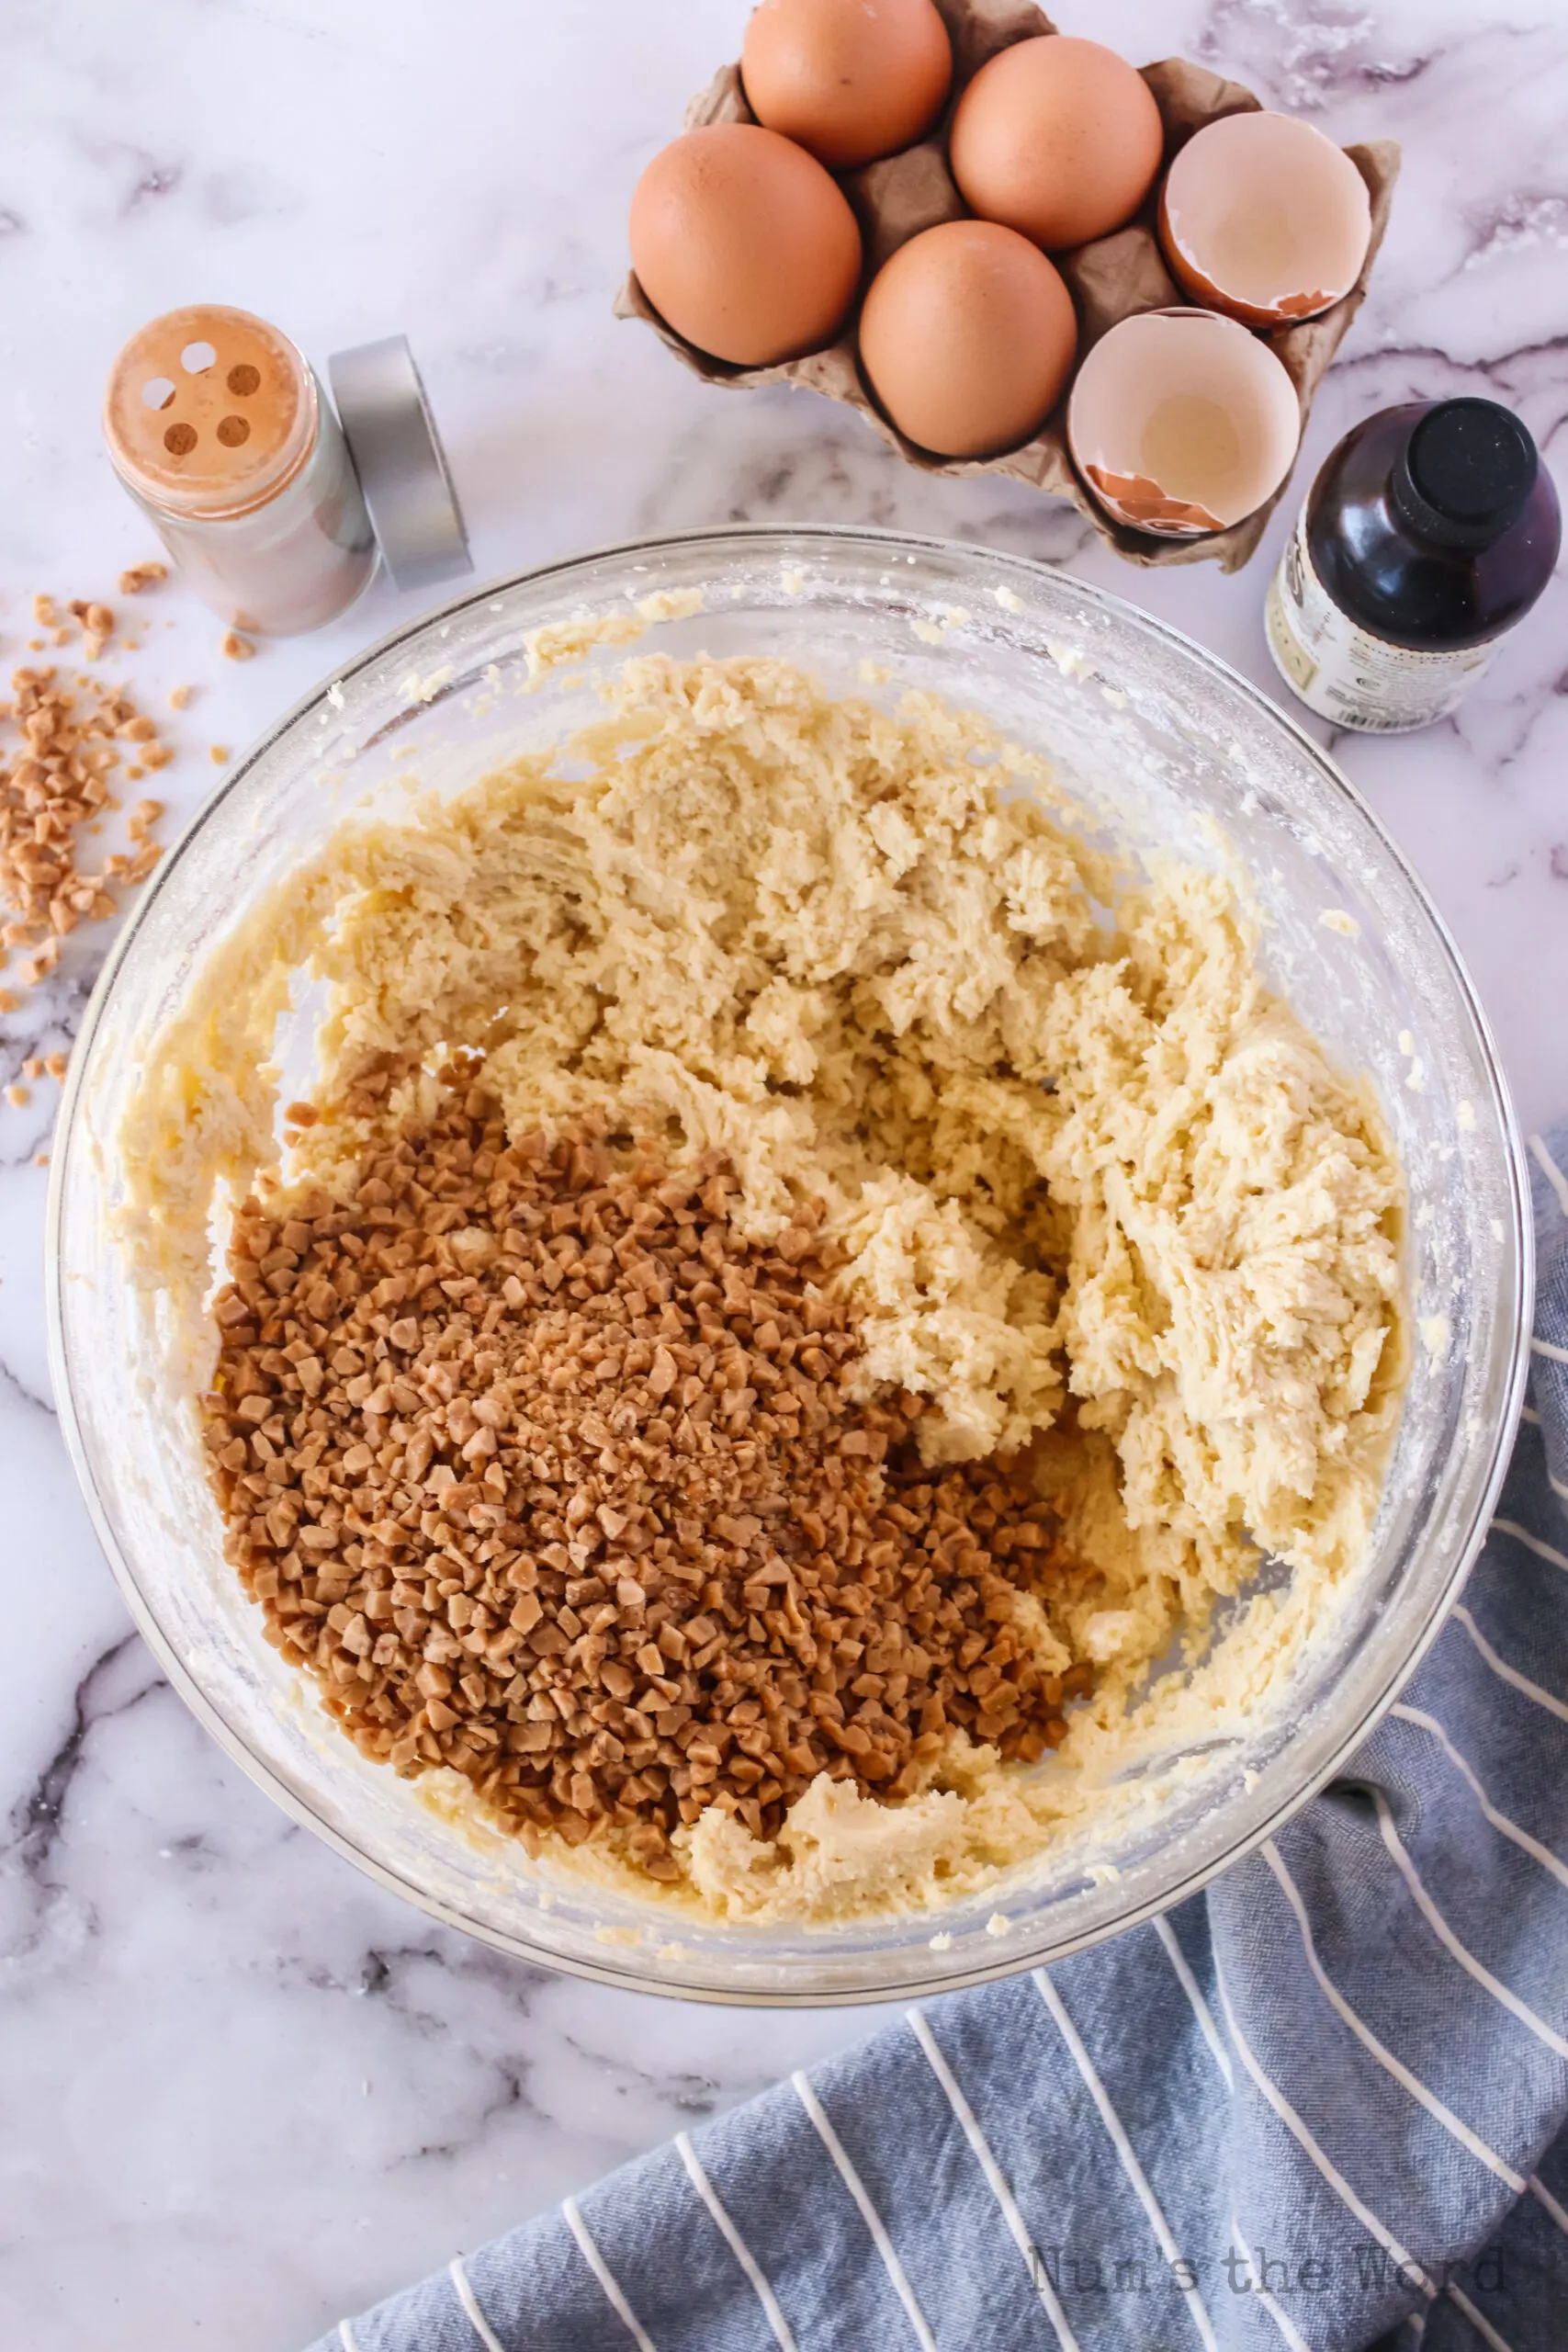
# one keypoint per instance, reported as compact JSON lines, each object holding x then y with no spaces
{"x":1058,"y":138}
{"x":967,"y":337}
{"x":848,"y":79}
{"x":744,"y":244}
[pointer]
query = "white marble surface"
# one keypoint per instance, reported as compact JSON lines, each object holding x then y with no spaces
{"x":243,"y":2091}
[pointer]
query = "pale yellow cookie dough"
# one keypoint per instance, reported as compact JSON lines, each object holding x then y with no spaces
{"x":1094,"y":1181}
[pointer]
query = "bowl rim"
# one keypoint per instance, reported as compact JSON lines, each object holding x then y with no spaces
{"x":607,"y":1972}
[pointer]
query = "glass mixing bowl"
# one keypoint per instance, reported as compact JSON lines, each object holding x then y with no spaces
{"x":1170,"y":750}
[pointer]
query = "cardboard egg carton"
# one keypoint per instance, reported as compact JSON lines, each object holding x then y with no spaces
{"x":1112,"y":277}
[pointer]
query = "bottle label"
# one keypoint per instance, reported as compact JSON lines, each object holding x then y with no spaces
{"x":1345,"y":674}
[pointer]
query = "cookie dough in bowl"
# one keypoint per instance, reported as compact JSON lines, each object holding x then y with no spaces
{"x":795,"y":1350}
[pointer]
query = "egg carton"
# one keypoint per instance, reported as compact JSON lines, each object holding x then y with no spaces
{"x":1112,"y":277}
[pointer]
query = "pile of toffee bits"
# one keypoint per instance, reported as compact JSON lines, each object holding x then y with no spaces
{"x":60,"y":779}
{"x":550,"y":1477}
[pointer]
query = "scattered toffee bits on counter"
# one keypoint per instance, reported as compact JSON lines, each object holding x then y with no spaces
{"x":96,"y":623}
{"x":548,"y":1476}
{"x":57,"y":778}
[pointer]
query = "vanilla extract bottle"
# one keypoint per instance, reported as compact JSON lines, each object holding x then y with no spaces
{"x":1428,"y":534}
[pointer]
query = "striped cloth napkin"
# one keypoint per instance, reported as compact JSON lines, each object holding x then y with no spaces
{"x":1324,"y":2104}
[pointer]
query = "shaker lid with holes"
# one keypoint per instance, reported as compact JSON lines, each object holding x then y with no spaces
{"x":401,"y":466}
{"x":210,"y":411}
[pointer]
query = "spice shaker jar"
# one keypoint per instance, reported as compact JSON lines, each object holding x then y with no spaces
{"x":275,"y":511}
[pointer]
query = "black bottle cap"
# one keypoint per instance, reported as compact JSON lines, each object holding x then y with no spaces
{"x":1465,"y":474}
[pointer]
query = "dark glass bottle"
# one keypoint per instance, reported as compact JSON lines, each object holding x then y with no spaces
{"x":1432,"y":530}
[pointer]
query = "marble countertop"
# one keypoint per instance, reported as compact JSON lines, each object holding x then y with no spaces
{"x":244,"y":2091}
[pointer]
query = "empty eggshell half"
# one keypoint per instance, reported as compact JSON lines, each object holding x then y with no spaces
{"x":1180,"y":423}
{"x":1264,"y":217}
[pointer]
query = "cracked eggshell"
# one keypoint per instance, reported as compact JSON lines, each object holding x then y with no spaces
{"x":1181,"y":423}
{"x":1264,"y":217}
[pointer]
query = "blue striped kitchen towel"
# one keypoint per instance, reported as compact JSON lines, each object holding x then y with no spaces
{"x":1324,"y":2104}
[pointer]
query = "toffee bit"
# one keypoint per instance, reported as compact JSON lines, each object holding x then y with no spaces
{"x":237,"y":648}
